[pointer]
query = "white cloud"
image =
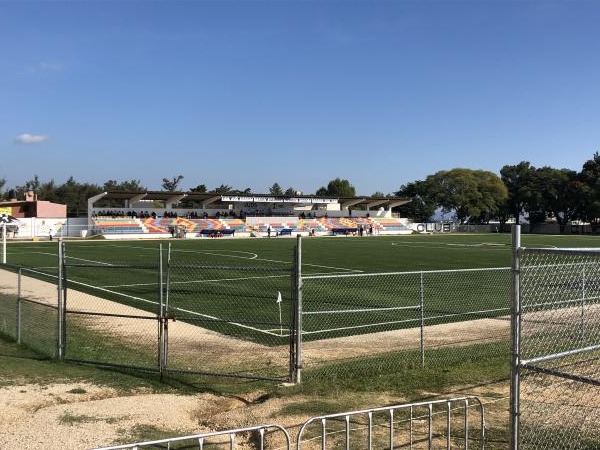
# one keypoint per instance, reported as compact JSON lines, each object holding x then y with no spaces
{"x":28,"y":139}
{"x":51,"y":66}
{"x":45,"y":67}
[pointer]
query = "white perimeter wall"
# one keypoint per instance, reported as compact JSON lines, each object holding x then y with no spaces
{"x":43,"y":227}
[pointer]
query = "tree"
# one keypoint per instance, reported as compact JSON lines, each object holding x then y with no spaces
{"x":337,"y":188}
{"x":493,"y":195}
{"x":290,"y":192}
{"x":223,"y":189}
{"x":321,"y":192}
{"x":559,"y":190}
{"x":246,"y":191}
{"x":474,"y":196}
{"x":71,"y":193}
{"x":590,"y":192}
{"x":422,"y":206}
{"x":124,"y":186}
{"x":49,"y":191}
{"x":75,"y":196}
{"x":200,"y":189}
{"x":30,"y":185}
{"x":276,"y":190}
{"x":171,"y":185}
{"x":378,"y":194}
{"x":519,"y":182}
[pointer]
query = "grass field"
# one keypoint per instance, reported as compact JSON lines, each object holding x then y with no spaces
{"x":320,"y":255}
{"x":232,"y":285}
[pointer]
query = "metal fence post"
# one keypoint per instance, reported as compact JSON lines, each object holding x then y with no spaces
{"x":19,"y":306}
{"x":3,"y":242}
{"x":161,"y":314}
{"x":165,"y":318}
{"x":582,"y":314}
{"x":515,"y":329}
{"x":422,"y":301}
{"x":298,"y":325}
{"x":60,"y":341}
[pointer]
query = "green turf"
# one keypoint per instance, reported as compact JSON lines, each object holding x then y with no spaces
{"x":231,"y":285}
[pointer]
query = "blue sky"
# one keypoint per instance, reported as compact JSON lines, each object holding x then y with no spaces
{"x":249,"y":93}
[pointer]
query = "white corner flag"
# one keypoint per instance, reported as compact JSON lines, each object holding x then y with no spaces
{"x":279,"y":304}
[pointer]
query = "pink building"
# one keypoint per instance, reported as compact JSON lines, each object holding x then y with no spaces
{"x":31,"y":207}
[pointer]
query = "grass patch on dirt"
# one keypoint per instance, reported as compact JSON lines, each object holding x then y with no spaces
{"x":309,"y":407}
{"x":402,"y":373}
{"x":145,"y":433}
{"x":388,"y":379}
{"x":20,"y":365}
{"x":69,"y":418}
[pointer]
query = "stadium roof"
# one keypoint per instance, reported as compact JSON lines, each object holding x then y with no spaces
{"x":208,"y":198}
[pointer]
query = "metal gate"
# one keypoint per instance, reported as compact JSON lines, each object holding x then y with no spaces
{"x":167,"y":311}
{"x":555,"y":382}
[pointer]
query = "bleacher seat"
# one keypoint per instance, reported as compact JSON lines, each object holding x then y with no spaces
{"x":390,"y":224}
{"x":117,"y":225}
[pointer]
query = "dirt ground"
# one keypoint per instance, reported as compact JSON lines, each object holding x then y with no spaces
{"x":82,"y":416}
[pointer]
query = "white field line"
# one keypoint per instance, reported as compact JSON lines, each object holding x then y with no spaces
{"x":77,"y":259}
{"x":215,"y":280}
{"x":480,"y":244}
{"x":198,"y":281}
{"x":412,"y":272}
{"x":449,"y":246}
{"x":153,"y":250}
{"x":362,"y":310}
{"x":356,"y":327}
{"x":105,"y":289}
{"x":240,"y":325}
{"x":253,"y":256}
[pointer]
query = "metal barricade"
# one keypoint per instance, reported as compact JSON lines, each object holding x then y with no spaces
{"x":433,"y":424}
{"x":257,"y":435}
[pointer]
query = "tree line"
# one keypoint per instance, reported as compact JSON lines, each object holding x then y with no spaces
{"x":522,"y":191}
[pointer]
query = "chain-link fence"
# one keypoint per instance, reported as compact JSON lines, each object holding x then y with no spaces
{"x":184,"y":311}
{"x":29,"y":309}
{"x":229,"y":317}
{"x":556,"y":349}
{"x":176,"y":313}
{"x":369,"y":314}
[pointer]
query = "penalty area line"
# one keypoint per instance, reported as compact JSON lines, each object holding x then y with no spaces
{"x":195,"y":313}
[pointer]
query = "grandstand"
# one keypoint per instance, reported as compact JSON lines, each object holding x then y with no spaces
{"x":158,"y":214}
{"x":165,"y":226}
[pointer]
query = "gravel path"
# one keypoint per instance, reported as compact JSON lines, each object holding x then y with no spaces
{"x":73,"y":416}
